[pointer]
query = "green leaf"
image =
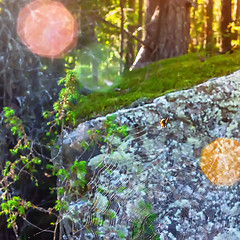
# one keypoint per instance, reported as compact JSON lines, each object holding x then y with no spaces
{"x":61,"y":191}
{"x":21,"y":210}
{"x":37,"y":161}
{"x":45,"y":114}
{"x":16,"y":177}
{"x":8,"y":112}
{"x":14,"y":130}
{"x":14,"y":151}
{"x":49,"y":166}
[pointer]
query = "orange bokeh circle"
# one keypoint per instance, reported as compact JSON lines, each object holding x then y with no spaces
{"x":220,"y":161}
{"x":47,"y":28}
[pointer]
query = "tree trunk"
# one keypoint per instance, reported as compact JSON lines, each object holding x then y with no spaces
{"x":236,"y":19}
{"x":122,"y":2}
{"x":167,"y":24}
{"x":226,"y":19}
{"x":209,"y":23}
{"x":140,"y":22}
{"x":194,"y":41}
{"x":202,"y":27}
{"x":130,"y":42}
{"x":237,"y":12}
{"x":87,"y":38}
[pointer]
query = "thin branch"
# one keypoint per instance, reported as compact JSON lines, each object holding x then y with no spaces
{"x":125,"y":31}
{"x":42,"y":230}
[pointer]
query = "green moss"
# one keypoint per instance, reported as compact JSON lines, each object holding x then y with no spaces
{"x":157,"y":79}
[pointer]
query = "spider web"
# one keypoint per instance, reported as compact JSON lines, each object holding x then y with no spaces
{"x":132,"y":178}
{"x":155,"y":189}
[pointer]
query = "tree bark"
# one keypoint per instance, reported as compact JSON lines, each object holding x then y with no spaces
{"x":130,"y":42}
{"x":237,"y":11}
{"x":201,"y":19}
{"x":140,"y":22}
{"x":194,"y":31}
{"x":226,"y":19}
{"x":209,"y":24}
{"x":122,"y":2}
{"x":236,"y":19}
{"x":167,"y":25}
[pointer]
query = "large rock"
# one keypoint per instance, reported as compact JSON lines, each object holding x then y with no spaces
{"x":157,"y":170}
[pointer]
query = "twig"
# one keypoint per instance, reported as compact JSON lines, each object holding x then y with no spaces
{"x":125,"y":31}
{"x":42,"y":230}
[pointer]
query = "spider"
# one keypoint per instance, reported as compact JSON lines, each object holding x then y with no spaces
{"x":163,"y":122}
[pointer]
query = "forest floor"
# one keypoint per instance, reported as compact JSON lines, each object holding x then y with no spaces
{"x":155,"y":80}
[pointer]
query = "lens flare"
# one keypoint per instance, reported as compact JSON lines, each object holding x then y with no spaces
{"x":47,"y":28}
{"x":220,"y":161}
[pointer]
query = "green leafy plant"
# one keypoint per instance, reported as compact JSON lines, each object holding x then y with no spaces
{"x":13,"y":208}
{"x":121,"y":235}
{"x":143,"y":226}
{"x":112,"y":128}
{"x":63,"y":108}
{"x":79,"y":169}
{"x":23,"y":150}
{"x":24,"y":159}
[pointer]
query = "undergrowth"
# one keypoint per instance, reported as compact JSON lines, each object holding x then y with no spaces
{"x":24,"y":160}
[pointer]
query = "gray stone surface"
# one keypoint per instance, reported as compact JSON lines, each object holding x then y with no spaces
{"x":159,"y":166}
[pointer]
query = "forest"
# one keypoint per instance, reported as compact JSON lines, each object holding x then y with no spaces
{"x":119,"y":54}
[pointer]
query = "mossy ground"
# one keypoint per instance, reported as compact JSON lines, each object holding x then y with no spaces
{"x":157,"y":79}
